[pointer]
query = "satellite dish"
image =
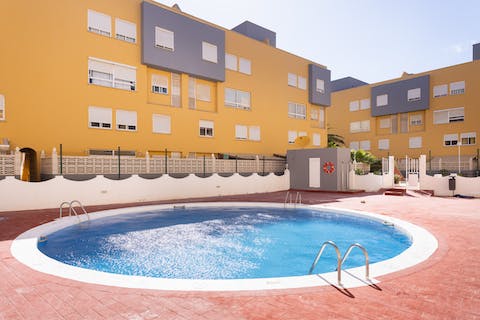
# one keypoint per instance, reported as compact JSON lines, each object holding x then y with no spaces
{"x":302,"y":141}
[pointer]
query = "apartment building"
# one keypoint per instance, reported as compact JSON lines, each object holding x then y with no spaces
{"x":95,"y":75}
{"x":436,"y":113}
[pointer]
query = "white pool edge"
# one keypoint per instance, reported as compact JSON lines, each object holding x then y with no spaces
{"x":24,"y":249}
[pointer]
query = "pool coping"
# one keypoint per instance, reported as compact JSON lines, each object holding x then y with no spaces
{"x":24,"y":249}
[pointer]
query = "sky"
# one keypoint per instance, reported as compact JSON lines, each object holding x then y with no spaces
{"x":371,"y":40}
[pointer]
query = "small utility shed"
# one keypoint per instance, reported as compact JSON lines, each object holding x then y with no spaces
{"x":319,"y":169}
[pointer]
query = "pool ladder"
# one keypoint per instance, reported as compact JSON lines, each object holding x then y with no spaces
{"x":71,"y":208}
{"x":289,"y":199}
{"x":340,"y":260}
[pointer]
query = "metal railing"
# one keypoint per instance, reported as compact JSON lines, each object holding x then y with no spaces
{"x":289,"y":199}
{"x":71,"y":208}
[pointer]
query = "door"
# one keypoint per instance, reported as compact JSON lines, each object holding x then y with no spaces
{"x":314,"y":172}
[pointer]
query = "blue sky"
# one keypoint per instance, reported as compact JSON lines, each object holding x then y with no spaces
{"x":372,"y":40}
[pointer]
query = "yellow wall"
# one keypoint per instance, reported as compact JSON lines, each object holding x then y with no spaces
{"x":432,"y":134}
{"x":44,"y":78}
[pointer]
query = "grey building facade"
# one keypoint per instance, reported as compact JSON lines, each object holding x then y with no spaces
{"x":319,"y":85}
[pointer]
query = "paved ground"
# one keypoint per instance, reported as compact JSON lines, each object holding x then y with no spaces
{"x":447,"y":286}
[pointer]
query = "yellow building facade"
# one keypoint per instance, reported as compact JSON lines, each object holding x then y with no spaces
{"x":435,"y":113}
{"x":76,"y":73}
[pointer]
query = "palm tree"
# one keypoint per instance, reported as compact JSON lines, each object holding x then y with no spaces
{"x":335,"y":141}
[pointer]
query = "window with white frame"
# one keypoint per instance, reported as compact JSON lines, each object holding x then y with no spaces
{"x":159,"y":84}
{"x":231,"y":61}
{"x":203,"y":92}
{"x":244,"y":66}
{"x":237,"y":99}
{"x":383,"y":144}
{"x":125,"y":30}
{"x":254,"y":133}
{"x":457,"y":88}
{"x":176,"y":89}
{"x":450,"y":139}
{"x":192,"y":100}
{"x":468,"y":138}
{"x":448,"y":115}
{"x":365,"y":145}
{"x":355,"y":145}
{"x":414,"y":94}
{"x":111,"y":74}
{"x":126,"y":120}
{"x":364,"y":104}
{"x":241,"y":132}
{"x":316,"y":139}
{"x":354,"y":105}
{"x":292,"y":136}
{"x":415,"y":142}
{"x":161,"y":124}
{"x":292,"y":79}
{"x":320,"y":85}
{"x":297,"y":110}
{"x":382,"y":100}
{"x":205,"y":128}
{"x":440,"y":90}
{"x":360,"y":126}
{"x":99,"y":23}
{"x":416,"y":120}
{"x":209,"y":52}
{"x":385,"y":123}
{"x":100,"y":118}
{"x":164,"y":39}
{"x":302,"y":83}
{"x":2,"y":107}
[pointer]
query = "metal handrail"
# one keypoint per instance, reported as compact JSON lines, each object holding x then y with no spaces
{"x":61,"y":207}
{"x":365,"y":253}
{"x":339,"y":260}
{"x":71,"y":209}
{"x":298,"y":198}
{"x":286,"y":199}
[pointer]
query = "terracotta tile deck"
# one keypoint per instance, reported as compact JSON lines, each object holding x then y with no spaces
{"x":447,"y":286}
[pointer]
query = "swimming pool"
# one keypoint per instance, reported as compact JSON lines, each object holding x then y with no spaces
{"x":193,"y":247}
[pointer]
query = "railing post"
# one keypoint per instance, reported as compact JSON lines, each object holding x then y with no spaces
{"x":118,"y":155}
{"x":166,"y":161}
{"x":61,"y":159}
{"x":204,"y":166}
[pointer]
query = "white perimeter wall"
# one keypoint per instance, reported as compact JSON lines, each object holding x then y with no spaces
{"x":20,"y":195}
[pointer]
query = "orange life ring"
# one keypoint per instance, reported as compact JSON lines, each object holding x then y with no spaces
{"x":328,"y":167}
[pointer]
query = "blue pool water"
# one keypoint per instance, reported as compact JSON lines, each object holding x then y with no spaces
{"x":220,"y":242}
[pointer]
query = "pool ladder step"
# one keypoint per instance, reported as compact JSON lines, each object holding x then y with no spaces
{"x":71,"y":208}
{"x":289,"y":199}
{"x":341,"y":260}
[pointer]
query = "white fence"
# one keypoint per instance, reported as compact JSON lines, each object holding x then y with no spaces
{"x":7,"y":165}
{"x":372,"y":182}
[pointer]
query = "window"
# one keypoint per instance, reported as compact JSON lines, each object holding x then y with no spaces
{"x":99,"y":23}
{"x":364,"y":104}
{"x":111,"y":74}
{"x":231,"y":62}
{"x":2,"y":107}
{"x":448,"y":115}
{"x":354,"y":105}
{"x":403,"y":122}
{"x":416,"y":120}
{"x":292,"y":79}
{"x":254,"y":133}
{"x":206,"y":128}
{"x":99,"y":118}
{"x":320,"y":86}
{"x":383,"y":144}
{"x":176,"y":98}
{"x":316,"y":139}
{"x":468,"y":138}
{"x":159,"y":84}
{"x":354,"y":145}
{"x":292,"y":136}
{"x":245,"y":66}
{"x":360,"y":126}
{"x":237,"y":99}
{"x":365,"y":145}
{"x":414,"y":94}
{"x":164,"y":39}
{"x":382,"y":100}
{"x":457,"y":88}
{"x":385,"y":123}
{"x":126,"y":31}
{"x":302,"y":83}
{"x":126,"y":120}
{"x":209,"y":52}
{"x":192,"y":101}
{"x":241,"y":132}
{"x":297,"y":110}
{"x":415,"y":142}
{"x":161,"y":124}
{"x":203,"y":92}
{"x":440,"y":90}
{"x":450,"y":140}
